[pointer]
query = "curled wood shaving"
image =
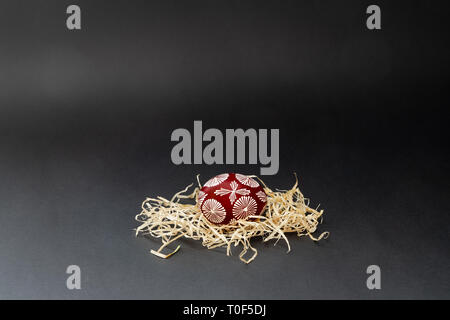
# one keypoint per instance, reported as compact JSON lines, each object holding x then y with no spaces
{"x":286,"y":211}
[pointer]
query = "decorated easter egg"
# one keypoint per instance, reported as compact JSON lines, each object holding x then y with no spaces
{"x":229,"y":197}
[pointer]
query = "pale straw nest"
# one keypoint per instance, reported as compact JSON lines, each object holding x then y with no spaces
{"x":286,"y":211}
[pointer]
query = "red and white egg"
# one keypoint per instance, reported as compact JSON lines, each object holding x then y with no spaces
{"x":229,"y":197}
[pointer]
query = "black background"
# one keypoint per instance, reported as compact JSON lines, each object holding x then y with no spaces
{"x":85,"y":125}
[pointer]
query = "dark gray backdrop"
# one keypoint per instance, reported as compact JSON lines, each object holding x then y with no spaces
{"x":86,"y":118}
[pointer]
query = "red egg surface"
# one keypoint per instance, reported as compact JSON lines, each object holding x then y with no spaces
{"x":229,"y":197}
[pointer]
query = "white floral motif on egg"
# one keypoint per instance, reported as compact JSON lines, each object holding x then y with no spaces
{"x":262,"y":196}
{"x":245,"y":206}
{"x":234,"y":190}
{"x":216,"y":180}
{"x":214,"y":211}
{"x":247,"y":180}
{"x":201,"y":196}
